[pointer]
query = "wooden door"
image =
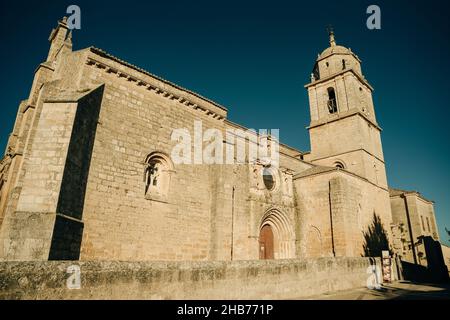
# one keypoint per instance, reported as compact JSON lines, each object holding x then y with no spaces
{"x":266,"y":243}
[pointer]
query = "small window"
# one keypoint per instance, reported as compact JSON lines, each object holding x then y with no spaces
{"x":327,"y":64}
{"x":428,"y":225}
{"x":339,"y":165}
{"x":332,"y":105}
{"x":343,"y":64}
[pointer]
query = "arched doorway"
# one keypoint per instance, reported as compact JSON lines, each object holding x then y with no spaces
{"x":266,"y":242}
{"x":276,"y":236}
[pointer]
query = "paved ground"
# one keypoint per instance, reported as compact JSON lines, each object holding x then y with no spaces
{"x":402,"y":290}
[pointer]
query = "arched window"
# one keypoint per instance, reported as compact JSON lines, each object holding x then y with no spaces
{"x":339,"y":165}
{"x":332,"y":105}
{"x":158,"y":169}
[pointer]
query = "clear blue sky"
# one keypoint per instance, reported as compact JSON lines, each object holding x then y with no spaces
{"x":254,"y":58}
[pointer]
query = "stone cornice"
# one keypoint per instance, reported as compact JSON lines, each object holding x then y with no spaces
{"x":414,"y":194}
{"x":360,"y":78}
{"x":349,"y":53}
{"x":158,"y":85}
{"x":354,"y":150}
{"x":45,"y":65}
{"x":297,"y":177}
{"x":28,"y":106}
{"x":340,"y":116}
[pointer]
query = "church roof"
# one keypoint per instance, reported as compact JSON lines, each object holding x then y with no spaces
{"x":398,"y":192}
{"x":315,"y":170}
{"x":332,"y":50}
{"x":335,"y":49}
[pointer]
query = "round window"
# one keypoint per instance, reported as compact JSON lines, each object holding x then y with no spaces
{"x":268,"y":178}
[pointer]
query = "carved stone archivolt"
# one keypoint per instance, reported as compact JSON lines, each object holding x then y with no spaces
{"x":284,"y":235}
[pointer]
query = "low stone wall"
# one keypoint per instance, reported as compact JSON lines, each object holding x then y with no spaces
{"x":277,"y":279}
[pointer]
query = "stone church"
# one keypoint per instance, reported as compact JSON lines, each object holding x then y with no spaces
{"x":87,"y":173}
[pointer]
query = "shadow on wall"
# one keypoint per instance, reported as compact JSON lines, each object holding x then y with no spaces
{"x":68,"y":228}
{"x":436,"y":270}
{"x":375,"y":239}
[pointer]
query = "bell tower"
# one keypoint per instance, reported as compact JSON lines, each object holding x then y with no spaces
{"x":344,"y":131}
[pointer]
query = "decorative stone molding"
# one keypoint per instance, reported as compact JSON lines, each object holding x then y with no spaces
{"x":151,"y":87}
{"x":284,"y":235}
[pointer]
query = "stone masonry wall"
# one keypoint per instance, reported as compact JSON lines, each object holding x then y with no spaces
{"x":278,"y":279}
{"x":208,"y":214}
{"x":339,"y":199}
{"x":120,"y":223}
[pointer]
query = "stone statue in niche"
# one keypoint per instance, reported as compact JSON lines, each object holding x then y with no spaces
{"x":153,"y":178}
{"x":153,"y":172}
{"x":157,"y":175}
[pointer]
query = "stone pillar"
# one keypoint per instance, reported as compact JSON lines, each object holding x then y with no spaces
{"x":342,"y":218}
{"x":47,"y":222}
